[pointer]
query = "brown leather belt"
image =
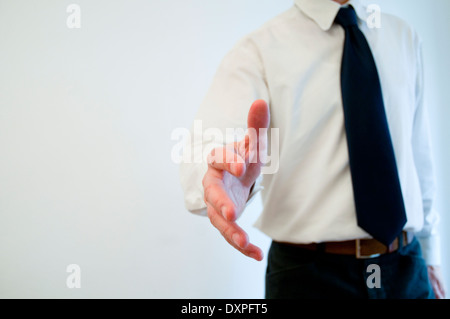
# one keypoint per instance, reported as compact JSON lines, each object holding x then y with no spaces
{"x":360,"y":248}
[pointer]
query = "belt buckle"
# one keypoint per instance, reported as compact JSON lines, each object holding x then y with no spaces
{"x":358,"y":251}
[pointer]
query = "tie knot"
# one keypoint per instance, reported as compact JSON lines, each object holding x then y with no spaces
{"x":346,"y":17}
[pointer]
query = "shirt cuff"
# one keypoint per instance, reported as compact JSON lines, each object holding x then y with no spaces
{"x":431,"y":249}
{"x":257,"y":187}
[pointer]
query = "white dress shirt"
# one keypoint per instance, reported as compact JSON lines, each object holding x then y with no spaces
{"x":293,"y":62}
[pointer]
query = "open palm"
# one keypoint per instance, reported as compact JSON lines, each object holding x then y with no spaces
{"x":232,"y":171}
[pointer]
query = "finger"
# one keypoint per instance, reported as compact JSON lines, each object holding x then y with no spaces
{"x":251,"y":251}
{"x":258,"y":122}
{"x":229,"y":230}
{"x":258,"y":115}
{"x":437,"y":292}
{"x":216,"y":196}
{"x":226,"y":159}
{"x":234,"y":235}
{"x":440,"y":292}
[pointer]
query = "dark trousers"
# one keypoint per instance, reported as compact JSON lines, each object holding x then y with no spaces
{"x":294,"y":272}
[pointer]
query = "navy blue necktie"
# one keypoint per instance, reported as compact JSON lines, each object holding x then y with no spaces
{"x":378,"y":197}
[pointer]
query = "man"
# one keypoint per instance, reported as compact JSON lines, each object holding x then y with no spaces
{"x":355,"y":183}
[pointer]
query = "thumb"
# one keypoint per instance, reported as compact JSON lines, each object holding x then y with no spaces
{"x":257,"y":122}
{"x":258,"y":116}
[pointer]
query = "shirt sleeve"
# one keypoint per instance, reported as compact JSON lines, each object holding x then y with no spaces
{"x":238,"y":82}
{"x":428,"y":236}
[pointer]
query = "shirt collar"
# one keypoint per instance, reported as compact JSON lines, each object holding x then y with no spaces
{"x":323,"y":12}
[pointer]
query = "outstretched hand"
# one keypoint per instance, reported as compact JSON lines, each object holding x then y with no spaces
{"x":232,"y":171}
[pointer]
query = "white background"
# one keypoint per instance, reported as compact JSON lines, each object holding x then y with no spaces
{"x":86,"y":116}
